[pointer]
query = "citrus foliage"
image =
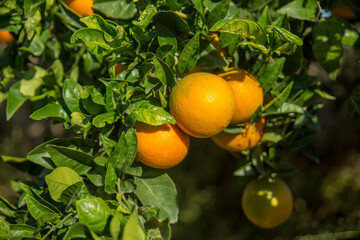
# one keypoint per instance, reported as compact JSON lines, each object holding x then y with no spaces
{"x":68,"y":68}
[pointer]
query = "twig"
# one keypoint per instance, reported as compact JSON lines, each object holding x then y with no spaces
{"x":319,"y":12}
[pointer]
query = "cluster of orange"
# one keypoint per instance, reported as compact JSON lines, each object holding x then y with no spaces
{"x":203,"y":105}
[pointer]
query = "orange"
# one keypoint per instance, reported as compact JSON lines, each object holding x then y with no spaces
{"x":267,"y":202}
{"x":344,"y":11}
{"x":6,"y":36}
{"x":119,"y":68}
{"x":202,"y":104}
{"x":82,"y":7}
{"x":248,"y":93}
{"x":161,"y":146}
{"x":246,"y":139}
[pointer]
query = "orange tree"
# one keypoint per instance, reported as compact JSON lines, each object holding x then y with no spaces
{"x":108,"y":71}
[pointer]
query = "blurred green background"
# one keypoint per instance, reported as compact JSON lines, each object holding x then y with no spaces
{"x":326,"y":195}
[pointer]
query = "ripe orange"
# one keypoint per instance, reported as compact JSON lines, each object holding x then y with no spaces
{"x":248,"y":93}
{"x":246,"y":139}
{"x":82,"y":7}
{"x":119,"y":68}
{"x":6,"y":36}
{"x":343,"y":11}
{"x":267,"y":202}
{"x":202,"y":104}
{"x":161,"y":146}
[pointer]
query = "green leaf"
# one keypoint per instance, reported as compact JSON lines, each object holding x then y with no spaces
{"x":80,"y":123}
{"x":111,"y":97}
{"x":324,"y":95}
{"x":115,"y":225}
{"x":32,"y":80}
{"x":160,"y":192}
{"x":256,"y":46}
{"x":90,"y":106}
{"x":50,"y":110}
{"x":93,"y":212}
{"x":6,"y":208}
{"x":351,"y":35}
{"x":271,"y":137}
{"x":116,"y":9}
{"x":198,"y":6}
{"x":164,"y":72}
{"x":286,"y":48}
{"x":31,"y":23}
{"x":283,"y":22}
{"x":300,"y":9}
{"x":174,"y":5}
{"x":106,"y":118}
{"x":166,"y":37}
{"x":36,"y":46}
{"x":79,"y":231}
{"x":285,"y":109}
{"x":285,"y":35}
{"x":234,"y":129}
{"x":101,"y":161}
{"x":69,"y":195}
{"x":290,"y":108}
{"x":30,"y":8}
{"x":21,"y":231}
{"x":59,"y":180}
{"x":146,"y":16}
{"x":139,"y":35}
{"x":280,"y":98}
{"x":327,"y":46}
{"x":40,"y":209}
{"x":3,"y":97}
{"x":14,"y":100}
{"x":94,"y":40}
{"x":269,"y":73}
{"x":72,"y":95}
{"x":135,"y":171}
{"x":164,"y":51}
{"x":96,"y":95}
{"x":147,"y":112}
{"x":218,"y":13}
{"x":265,"y":18}
{"x":4,"y":229}
{"x":40,"y":155}
{"x":189,"y":55}
{"x":55,"y":74}
{"x":124,"y":153}
{"x":132,"y":230}
{"x":95,"y":21}
{"x":172,"y":21}
{"x":211,"y":56}
{"x":66,"y":157}
{"x":108,"y":144}
{"x":110,"y":178}
{"x":242,"y":27}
